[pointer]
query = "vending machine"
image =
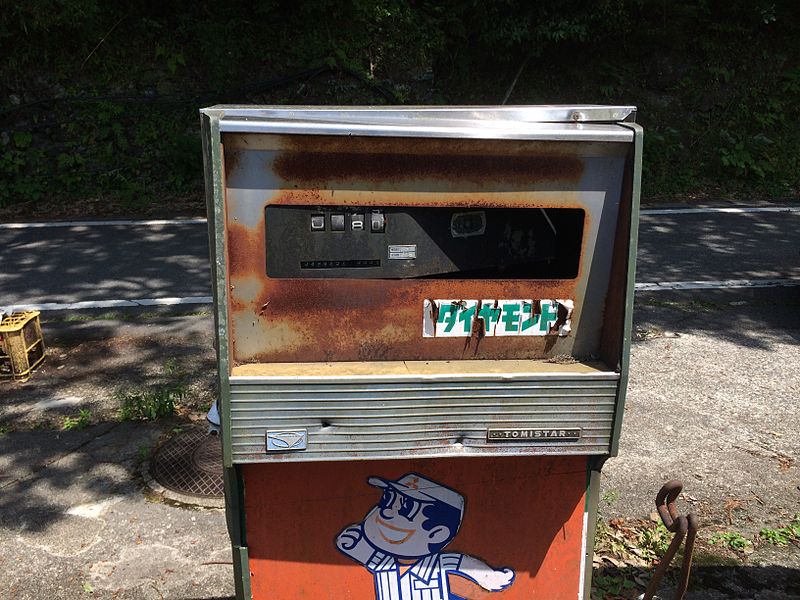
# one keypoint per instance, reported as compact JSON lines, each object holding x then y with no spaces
{"x":423,"y":322}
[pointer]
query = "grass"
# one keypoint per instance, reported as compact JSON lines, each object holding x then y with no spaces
{"x":134,"y":316}
{"x":653,"y":542}
{"x":782,"y":536}
{"x":732,"y":540}
{"x":80,"y":421}
{"x":149,"y":404}
{"x":611,"y":585}
{"x":631,"y":542}
{"x":154,"y":402}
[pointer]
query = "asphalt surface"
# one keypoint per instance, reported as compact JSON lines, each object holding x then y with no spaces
{"x":131,"y":262}
{"x":712,"y":401}
{"x":713,"y":395}
{"x":72,"y":264}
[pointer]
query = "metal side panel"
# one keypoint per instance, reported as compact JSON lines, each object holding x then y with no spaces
{"x":380,"y":418}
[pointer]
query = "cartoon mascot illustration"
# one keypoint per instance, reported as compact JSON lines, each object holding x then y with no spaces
{"x":400,"y":542}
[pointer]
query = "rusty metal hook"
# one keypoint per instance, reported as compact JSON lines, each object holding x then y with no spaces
{"x":682,"y":527}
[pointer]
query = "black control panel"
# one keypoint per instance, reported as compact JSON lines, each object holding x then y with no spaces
{"x":415,"y":242}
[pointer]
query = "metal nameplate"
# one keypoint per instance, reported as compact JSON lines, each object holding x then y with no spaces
{"x":287,"y":440}
{"x":402,"y":252}
{"x":554,"y":435}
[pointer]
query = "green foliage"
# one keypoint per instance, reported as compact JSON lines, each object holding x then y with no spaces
{"x":610,"y":497}
{"x":782,"y":536}
{"x":732,"y":540}
{"x":81,"y":421}
{"x":149,"y":404}
{"x":100,"y":98}
{"x":608,"y":585}
{"x":653,"y":542}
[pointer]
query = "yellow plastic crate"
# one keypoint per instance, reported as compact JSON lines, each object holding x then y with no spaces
{"x":21,"y":345}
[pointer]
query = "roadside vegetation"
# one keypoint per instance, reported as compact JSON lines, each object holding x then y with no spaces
{"x":156,"y":401}
{"x":99,"y":100}
{"x":628,"y":550}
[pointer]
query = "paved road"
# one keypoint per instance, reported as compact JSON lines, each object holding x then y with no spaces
{"x":135,"y":261}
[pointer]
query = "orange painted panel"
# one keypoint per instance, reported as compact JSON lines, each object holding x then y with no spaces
{"x":390,"y":530}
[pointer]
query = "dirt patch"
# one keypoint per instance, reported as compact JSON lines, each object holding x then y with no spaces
{"x":90,"y":371}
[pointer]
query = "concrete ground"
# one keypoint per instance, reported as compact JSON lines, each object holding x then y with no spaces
{"x":713,"y":399}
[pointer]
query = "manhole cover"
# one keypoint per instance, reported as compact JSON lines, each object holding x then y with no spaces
{"x":190,"y":463}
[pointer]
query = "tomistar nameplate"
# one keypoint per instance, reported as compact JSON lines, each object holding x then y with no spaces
{"x":534,"y":435}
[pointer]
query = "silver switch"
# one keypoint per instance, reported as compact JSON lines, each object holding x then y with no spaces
{"x":377,"y":222}
{"x":317,"y":222}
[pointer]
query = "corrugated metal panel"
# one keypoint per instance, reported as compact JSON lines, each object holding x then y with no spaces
{"x":352,"y":419}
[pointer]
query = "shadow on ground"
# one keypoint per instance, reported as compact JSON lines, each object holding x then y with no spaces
{"x":706,"y":583}
{"x":88,"y":363}
{"x":46,"y":474}
{"x":109,"y":262}
{"x":718,"y":246}
{"x":754,"y":318}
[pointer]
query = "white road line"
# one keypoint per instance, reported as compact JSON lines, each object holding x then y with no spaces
{"x":658,"y":286}
{"x":92,"y":304}
{"x":202,"y":221}
{"x":726,"y":210}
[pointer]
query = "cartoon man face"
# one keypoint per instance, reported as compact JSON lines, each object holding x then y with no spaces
{"x":400,"y":542}
{"x":414,"y":517}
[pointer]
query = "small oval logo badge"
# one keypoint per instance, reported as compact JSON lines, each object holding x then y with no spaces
{"x":285,"y":440}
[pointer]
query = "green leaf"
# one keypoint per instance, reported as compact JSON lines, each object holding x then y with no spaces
{"x":23,"y":139}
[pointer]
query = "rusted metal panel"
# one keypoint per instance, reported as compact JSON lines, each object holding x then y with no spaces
{"x":358,"y":319}
{"x":451,"y":163}
{"x":358,"y":367}
{"x":526,"y":515}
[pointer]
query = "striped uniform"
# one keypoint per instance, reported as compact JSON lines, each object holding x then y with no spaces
{"x":424,"y":580}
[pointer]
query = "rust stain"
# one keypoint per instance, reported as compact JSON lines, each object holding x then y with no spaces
{"x":513,"y":197}
{"x":562,"y":313}
{"x":478,"y":330}
{"x":348,"y":319}
{"x":318,"y":197}
{"x":296,"y":166}
{"x":345,"y":319}
{"x":434,"y":307}
{"x":300,"y":197}
{"x":429,"y":146}
{"x":246,"y":250}
{"x":313,"y":320}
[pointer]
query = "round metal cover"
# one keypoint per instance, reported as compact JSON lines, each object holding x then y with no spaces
{"x":190,"y":463}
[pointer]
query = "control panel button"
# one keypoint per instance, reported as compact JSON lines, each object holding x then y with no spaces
{"x":317,"y":222}
{"x":377,"y":222}
{"x":337,"y":222}
{"x":357,"y":222}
